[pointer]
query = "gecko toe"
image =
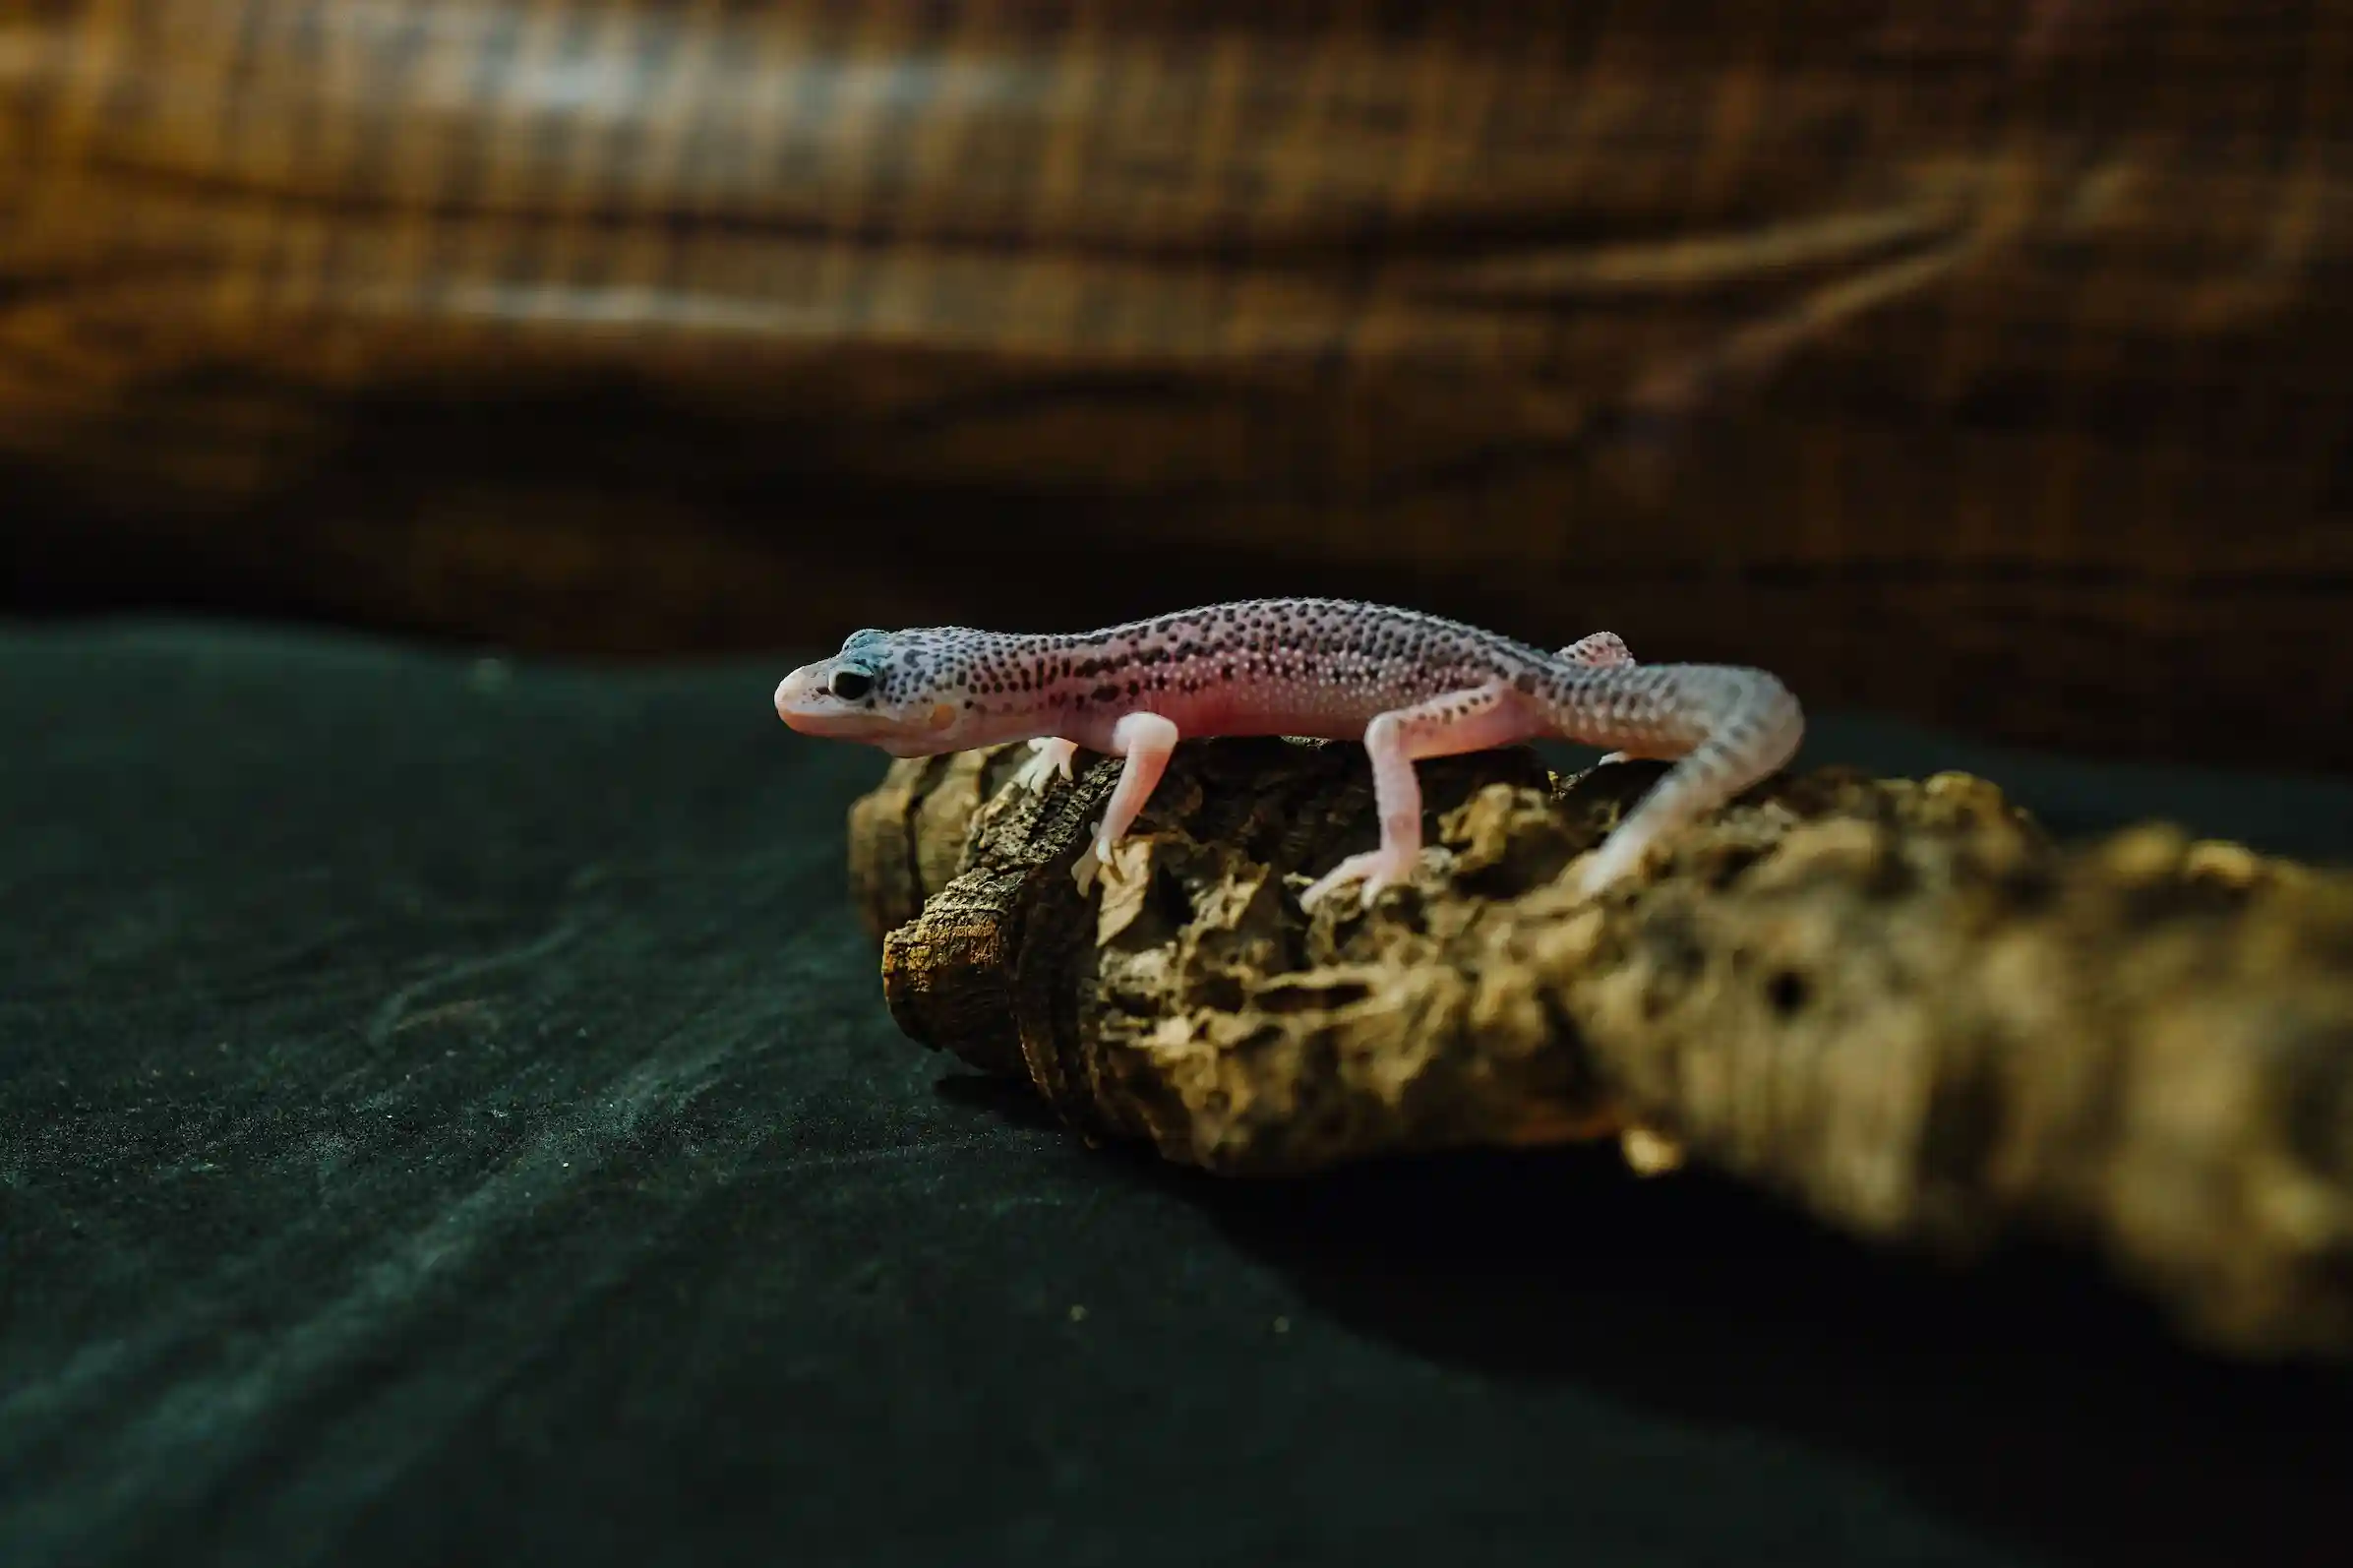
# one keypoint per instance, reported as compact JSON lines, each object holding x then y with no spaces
{"x":1085,"y":869}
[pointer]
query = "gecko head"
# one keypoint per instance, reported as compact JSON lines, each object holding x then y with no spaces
{"x":894,"y":689}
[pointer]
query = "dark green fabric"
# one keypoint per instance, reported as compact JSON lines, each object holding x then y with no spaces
{"x":447,"y":1114}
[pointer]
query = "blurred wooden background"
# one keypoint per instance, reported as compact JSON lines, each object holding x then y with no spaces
{"x":1988,"y":362}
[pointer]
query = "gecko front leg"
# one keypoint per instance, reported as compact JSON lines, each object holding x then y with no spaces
{"x":1474,"y":720}
{"x":1048,"y":756}
{"x":1144,"y":742}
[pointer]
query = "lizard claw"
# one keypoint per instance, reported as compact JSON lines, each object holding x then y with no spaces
{"x":1094,"y":861}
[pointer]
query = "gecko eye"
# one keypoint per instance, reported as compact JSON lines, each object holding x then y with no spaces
{"x":851,"y":684}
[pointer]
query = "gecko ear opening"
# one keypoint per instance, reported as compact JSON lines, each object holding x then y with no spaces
{"x":942,"y":715}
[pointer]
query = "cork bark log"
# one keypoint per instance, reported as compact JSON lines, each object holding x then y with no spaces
{"x":1896,"y":1003}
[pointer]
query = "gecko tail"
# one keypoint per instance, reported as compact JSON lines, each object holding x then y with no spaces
{"x":1726,"y":727}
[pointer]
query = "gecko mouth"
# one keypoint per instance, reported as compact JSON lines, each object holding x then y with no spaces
{"x":809,"y":708}
{"x":803,"y":703}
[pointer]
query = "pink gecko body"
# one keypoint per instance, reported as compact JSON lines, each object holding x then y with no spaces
{"x":1407,"y":685}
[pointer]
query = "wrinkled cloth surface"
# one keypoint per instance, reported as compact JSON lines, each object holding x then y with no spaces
{"x":447,"y":1114}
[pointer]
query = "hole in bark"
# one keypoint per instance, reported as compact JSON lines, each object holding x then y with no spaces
{"x":1294,"y":996}
{"x":1730,"y":861}
{"x":1171,"y":904}
{"x":1788,"y":992}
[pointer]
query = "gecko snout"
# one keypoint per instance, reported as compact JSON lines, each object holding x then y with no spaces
{"x":806,"y":701}
{"x":789,"y":696}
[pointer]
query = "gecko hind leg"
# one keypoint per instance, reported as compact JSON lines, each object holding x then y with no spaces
{"x":1602,"y":650}
{"x":1473,"y":720}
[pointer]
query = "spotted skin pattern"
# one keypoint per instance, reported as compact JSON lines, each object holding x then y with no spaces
{"x":1407,"y":685}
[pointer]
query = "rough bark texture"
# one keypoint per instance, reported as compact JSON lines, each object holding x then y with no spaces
{"x":1983,"y":362}
{"x":1895,"y":1002}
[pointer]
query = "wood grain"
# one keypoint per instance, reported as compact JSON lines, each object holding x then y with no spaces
{"x":1985,"y":364}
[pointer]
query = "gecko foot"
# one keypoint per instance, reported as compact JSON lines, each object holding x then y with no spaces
{"x":1091,"y":861}
{"x":1376,"y":870}
{"x":1094,"y":861}
{"x":1047,"y":758}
